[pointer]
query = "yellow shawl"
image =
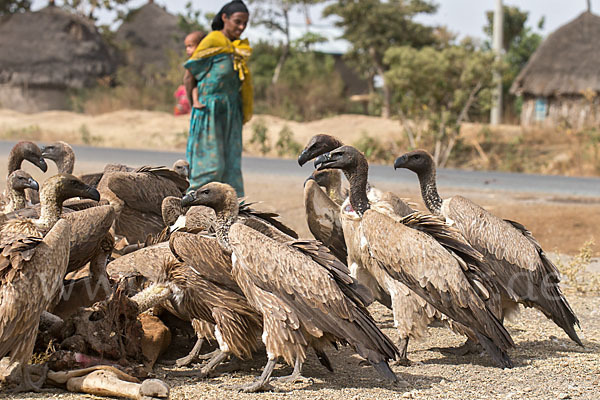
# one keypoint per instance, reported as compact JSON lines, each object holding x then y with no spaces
{"x":217,"y":43}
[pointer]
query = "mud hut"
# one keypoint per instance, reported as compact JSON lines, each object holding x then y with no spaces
{"x":44,"y":54}
{"x":561,"y":82}
{"x":150,"y":36}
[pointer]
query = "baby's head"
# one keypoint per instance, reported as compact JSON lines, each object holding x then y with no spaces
{"x":191,"y":41}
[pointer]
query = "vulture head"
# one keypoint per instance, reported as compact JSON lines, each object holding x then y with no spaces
{"x":26,"y":150}
{"x":327,"y":178}
{"x":346,"y":158}
{"x":418,"y":161}
{"x":221,"y":197}
{"x":20,"y":180}
{"x":182,"y":167}
{"x":59,"y":152}
{"x":61,"y":187}
{"x":318,"y":144}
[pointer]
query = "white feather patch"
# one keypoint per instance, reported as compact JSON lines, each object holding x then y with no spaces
{"x":180,"y":223}
{"x":222,"y":345}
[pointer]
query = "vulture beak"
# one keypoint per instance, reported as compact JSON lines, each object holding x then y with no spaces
{"x":304,"y":157}
{"x":32,"y":184}
{"x":323,"y":161}
{"x":188,"y":199}
{"x":91,"y":193}
{"x":400,"y":161}
{"x":41,"y":164}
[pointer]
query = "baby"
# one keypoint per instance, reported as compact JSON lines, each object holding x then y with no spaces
{"x":191,"y":42}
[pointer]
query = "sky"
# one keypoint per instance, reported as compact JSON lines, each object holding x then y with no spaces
{"x":464,"y":17}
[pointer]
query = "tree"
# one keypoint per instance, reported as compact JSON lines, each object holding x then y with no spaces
{"x":14,"y":6}
{"x":275,"y":15}
{"x":520,"y":42}
{"x":372,"y":26}
{"x":437,"y":88}
{"x":189,"y":20}
{"x":88,"y":7}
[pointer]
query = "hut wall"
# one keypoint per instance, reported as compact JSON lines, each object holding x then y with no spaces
{"x":30,"y":100}
{"x":575,"y":112}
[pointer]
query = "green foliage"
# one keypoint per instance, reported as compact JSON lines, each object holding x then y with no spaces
{"x":87,"y":137}
{"x":286,"y":144}
{"x":88,"y":7}
{"x":372,"y":26}
{"x":190,"y":19}
{"x":376,"y":150}
{"x":519,"y":42}
{"x":14,"y":6}
{"x":260,"y":137}
{"x":439,"y":87}
{"x":309,"y":87}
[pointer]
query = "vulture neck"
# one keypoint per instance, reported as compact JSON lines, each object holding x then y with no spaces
{"x":334,"y":187}
{"x":50,"y":208}
{"x":66,"y":164}
{"x":226,"y":217}
{"x":15,"y":159}
{"x":431,"y":198}
{"x":16,"y":199}
{"x":358,"y":188}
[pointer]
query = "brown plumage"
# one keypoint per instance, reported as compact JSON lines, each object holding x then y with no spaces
{"x":182,"y":167}
{"x":31,"y":273}
{"x":515,"y":259}
{"x":303,"y":302}
{"x":137,"y":198}
{"x":411,"y":313}
{"x":423,"y":253}
{"x":16,"y":183}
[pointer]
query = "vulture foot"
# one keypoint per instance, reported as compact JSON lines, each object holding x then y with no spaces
{"x":296,"y":376}
{"x":262,"y":383}
{"x":205,"y":371}
{"x":190,"y":358}
{"x":402,"y":359}
{"x":469,"y":347}
{"x":27,"y":384}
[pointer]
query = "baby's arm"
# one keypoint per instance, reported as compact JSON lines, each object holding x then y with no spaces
{"x":190,"y":86}
{"x":196,"y":102}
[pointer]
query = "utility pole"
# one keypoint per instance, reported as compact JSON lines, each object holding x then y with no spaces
{"x":496,"y":113}
{"x":589,"y":4}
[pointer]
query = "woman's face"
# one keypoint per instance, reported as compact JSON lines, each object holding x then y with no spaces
{"x":234,"y":24}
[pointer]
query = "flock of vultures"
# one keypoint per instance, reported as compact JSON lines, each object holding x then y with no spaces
{"x":91,"y":266}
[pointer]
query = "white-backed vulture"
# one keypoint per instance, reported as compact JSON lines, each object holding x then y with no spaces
{"x":182,"y":167}
{"x":31,"y":274}
{"x":303,"y":302}
{"x":516,"y":259}
{"x":415,"y":251}
{"x":26,"y":150}
{"x":411,"y":313}
{"x":137,"y":198}
{"x":16,"y":183}
{"x":62,"y":154}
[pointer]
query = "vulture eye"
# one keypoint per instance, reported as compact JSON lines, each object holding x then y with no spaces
{"x":205,"y":191}
{"x":417,"y":156}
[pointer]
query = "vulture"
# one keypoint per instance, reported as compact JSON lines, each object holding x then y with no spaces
{"x":137,"y":199}
{"x":515,"y":258}
{"x":411,"y":313}
{"x":16,"y":184}
{"x":62,"y":154}
{"x":424,"y":253}
{"x":31,"y":274}
{"x":26,"y":150}
{"x":305,"y":300}
{"x":182,"y":167}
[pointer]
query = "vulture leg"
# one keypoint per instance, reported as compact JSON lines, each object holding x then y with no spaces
{"x":262,"y":383}
{"x":296,"y":375}
{"x":403,"y":358}
{"x":194,"y":353}
{"x":27,"y":384}
{"x":207,"y":369}
{"x":208,"y":356}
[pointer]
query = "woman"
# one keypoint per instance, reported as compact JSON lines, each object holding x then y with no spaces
{"x":218,"y":65}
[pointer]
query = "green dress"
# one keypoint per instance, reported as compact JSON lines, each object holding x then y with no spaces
{"x":214,"y":147}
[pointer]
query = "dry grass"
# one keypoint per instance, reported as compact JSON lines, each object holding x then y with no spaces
{"x":575,"y":270}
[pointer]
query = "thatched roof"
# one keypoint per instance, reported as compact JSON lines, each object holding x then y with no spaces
{"x":52,"y":48}
{"x":151,"y":33}
{"x":567,"y":62}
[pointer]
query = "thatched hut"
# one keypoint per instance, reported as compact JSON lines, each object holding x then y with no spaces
{"x":561,"y":82}
{"x":150,"y":35}
{"x":44,"y":53}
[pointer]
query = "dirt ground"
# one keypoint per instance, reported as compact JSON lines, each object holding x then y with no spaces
{"x":547,"y":364}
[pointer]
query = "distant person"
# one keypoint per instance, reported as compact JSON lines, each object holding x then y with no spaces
{"x":219,"y":68}
{"x":188,"y":95}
